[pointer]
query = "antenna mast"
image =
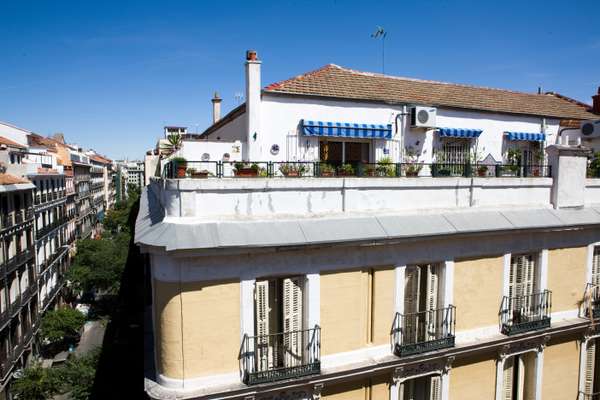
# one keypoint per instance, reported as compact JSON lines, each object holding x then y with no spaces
{"x":381,"y":33}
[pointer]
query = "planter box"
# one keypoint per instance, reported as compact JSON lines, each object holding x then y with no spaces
{"x":327,"y":174}
{"x":199,"y":175}
{"x":246,"y":172}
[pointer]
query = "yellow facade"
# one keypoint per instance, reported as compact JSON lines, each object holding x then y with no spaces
{"x":478,"y":292}
{"x":383,"y":305}
{"x":204,"y":307}
{"x":561,"y":371}
{"x":355,"y":390}
{"x":566,"y":277}
{"x":344,"y":303}
{"x":473,"y":379}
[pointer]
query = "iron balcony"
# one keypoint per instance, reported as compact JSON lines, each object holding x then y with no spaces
{"x":588,"y":396}
{"x":424,"y":331}
{"x":591,"y":302}
{"x":520,"y":314}
{"x":274,"y":357}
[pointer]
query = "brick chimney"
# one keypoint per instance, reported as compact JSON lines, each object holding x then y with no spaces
{"x":251,"y":150}
{"x":596,"y":102}
{"x":216,"y":102}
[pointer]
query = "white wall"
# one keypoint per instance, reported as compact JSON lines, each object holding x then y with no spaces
{"x":281,"y":116}
{"x":193,"y":150}
{"x":13,"y":133}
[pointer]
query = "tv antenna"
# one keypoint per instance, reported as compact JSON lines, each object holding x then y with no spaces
{"x":238,"y":96}
{"x":380,"y":33}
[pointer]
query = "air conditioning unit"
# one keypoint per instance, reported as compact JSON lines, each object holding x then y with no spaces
{"x":422,"y":117}
{"x":590,"y":129}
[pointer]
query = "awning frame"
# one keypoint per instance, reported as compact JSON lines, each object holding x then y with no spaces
{"x":346,"y":130}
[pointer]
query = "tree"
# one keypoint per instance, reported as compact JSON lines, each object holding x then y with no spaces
{"x":37,"y":383}
{"x":61,"y":323}
{"x":78,"y":373}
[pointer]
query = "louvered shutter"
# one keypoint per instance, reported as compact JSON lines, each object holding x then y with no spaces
{"x":435,"y":388}
{"x":596,"y":266}
{"x":292,"y":321}
{"x":411,"y":303}
{"x":261,"y":303}
{"x":432,"y":301}
{"x":590,"y":358}
{"x":507,"y":380}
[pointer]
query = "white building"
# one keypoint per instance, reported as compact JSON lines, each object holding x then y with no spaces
{"x":337,"y":115}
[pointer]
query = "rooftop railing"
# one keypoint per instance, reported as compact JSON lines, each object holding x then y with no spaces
{"x":270,"y":358}
{"x":294,"y":169}
{"x":520,"y":314}
{"x":423,"y":331}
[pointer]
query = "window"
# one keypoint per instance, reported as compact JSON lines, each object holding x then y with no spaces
{"x":456,"y":151}
{"x":522,"y":278}
{"x":596,"y":266}
{"x":519,"y":377}
{"x":279,"y":322}
{"x":423,"y":388}
{"x":421,"y":298}
{"x":591,"y":383}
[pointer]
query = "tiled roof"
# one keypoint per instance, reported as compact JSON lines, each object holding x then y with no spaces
{"x":100,"y":159}
{"x":337,"y":82}
{"x":8,"y":179}
{"x":11,"y":143}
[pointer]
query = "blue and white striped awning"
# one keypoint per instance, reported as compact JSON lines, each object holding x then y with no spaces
{"x":346,"y":129}
{"x":531,"y":137}
{"x":459,"y":132}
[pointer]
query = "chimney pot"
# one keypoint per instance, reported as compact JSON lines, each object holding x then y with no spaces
{"x":251,"y":55}
{"x":216,"y":102}
{"x":596,"y":102}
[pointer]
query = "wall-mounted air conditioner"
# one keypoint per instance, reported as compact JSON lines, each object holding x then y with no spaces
{"x":590,"y":129}
{"x":422,"y":117}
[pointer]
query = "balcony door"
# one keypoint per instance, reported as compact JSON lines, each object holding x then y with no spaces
{"x":519,"y":377}
{"x":422,"y":388}
{"x":336,"y":152}
{"x":596,"y":266}
{"x":421,"y":298}
{"x":279,"y":323}
{"x":523,"y":284}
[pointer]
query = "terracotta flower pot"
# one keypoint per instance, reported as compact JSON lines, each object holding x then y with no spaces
{"x":246,"y":172}
{"x":200,"y":174}
{"x":181,"y":171}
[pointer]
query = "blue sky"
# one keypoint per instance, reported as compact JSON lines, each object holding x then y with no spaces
{"x":109,"y":74}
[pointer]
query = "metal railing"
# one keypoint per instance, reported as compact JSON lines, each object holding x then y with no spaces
{"x":423,"y":331}
{"x":588,"y":396}
{"x":278,"y":356}
{"x":520,"y":314}
{"x":591,"y":302}
{"x":292,"y":169}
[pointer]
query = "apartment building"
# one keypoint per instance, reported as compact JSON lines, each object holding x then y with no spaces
{"x":86,"y":217}
{"x":18,"y":286}
{"x":375,"y":257}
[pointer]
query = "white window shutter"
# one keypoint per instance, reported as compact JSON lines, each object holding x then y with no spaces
{"x":261,"y":303}
{"x":435,"y":388}
{"x":507,"y":380}
{"x":590,"y":358}
{"x":432,"y":300}
{"x":412,"y":287}
{"x":292,"y":320}
{"x":596,"y":266}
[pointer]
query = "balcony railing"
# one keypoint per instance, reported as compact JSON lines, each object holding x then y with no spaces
{"x":289,"y":169}
{"x":520,"y":314}
{"x":591,"y":302}
{"x":588,"y":396}
{"x":424,"y":331}
{"x":6,"y":221}
{"x":274,"y":357}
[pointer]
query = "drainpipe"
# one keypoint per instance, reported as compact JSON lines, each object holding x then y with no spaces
{"x":400,"y":129}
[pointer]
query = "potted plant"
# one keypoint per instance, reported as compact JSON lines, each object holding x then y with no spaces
{"x":326,"y":170}
{"x":413,"y":166}
{"x":245,"y":170}
{"x":513,"y":158}
{"x":593,"y":170}
{"x":346,"y":170}
{"x":180,"y":165}
{"x":198,"y":174}
{"x":482,"y":170}
{"x":385,"y":167}
{"x":289,"y":169}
